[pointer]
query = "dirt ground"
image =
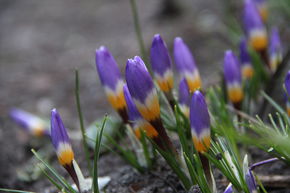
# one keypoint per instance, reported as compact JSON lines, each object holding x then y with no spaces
{"x":42,"y":42}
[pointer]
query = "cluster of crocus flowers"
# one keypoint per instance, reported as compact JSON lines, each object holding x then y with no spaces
{"x":62,"y":145}
{"x":161,"y":64}
{"x":275,"y":49}
{"x":111,"y":80}
{"x":186,"y":65}
{"x":245,"y":59}
{"x":31,"y":123}
{"x":144,"y":95}
{"x":184,"y":97}
{"x":254,"y":27}
{"x":233,"y":79}
{"x":199,"y":122}
{"x":287,"y":87}
{"x":136,"y":120}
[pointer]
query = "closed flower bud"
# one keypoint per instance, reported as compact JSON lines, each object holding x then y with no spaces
{"x":275,"y":50}
{"x":60,"y":140}
{"x":111,"y":80}
{"x":161,"y":64}
{"x":184,"y":97}
{"x":142,"y":90}
{"x":31,"y":123}
{"x":135,"y":118}
{"x":254,"y":27}
{"x":246,"y":64}
{"x":232,"y":74}
{"x":199,"y":122}
{"x":186,"y":65}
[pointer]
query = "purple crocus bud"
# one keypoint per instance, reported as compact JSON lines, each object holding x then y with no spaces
{"x":60,"y":140}
{"x":199,"y":122}
{"x":144,"y":95}
{"x":263,"y":9}
{"x":275,"y":49}
{"x":186,"y":65}
{"x":31,"y":123}
{"x":135,"y":118}
{"x":229,"y":189}
{"x":287,"y":87}
{"x":250,"y":181}
{"x":111,"y":80}
{"x":247,"y":68}
{"x":142,"y":90}
{"x":232,"y":75}
{"x":254,"y":27}
{"x":184,"y":97}
{"x":161,"y":64}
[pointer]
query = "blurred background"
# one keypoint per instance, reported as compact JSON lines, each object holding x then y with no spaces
{"x":42,"y":42}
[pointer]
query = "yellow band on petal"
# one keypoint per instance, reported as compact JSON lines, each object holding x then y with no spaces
{"x":201,"y":145}
{"x":165,"y":85}
{"x":65,"y":155}
{"x":235,"y":94}
{"x":258,"y":41}
{"x":151,"y":109}
{"x":247,"y":72}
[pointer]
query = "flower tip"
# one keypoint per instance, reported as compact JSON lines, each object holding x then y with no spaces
{"x":157,"y":37}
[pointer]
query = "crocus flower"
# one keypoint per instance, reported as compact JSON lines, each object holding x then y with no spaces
{"x":186,"y":65}
{"x":60,"y":140}
{"x":254,"y":27}
{"x":161,"y":64}
{"x":263,"y":9}
{"x":111,"y":80}
{"x":144,"y":95}
{"x":199,"y":122}
{"x":287,"y":87}
{"x":247,"y":68}
{"x":135,"y":118}
{"x":232,"y":74}
{"x":275,"y":50}
{"x":142,"y":90}
{"x":31,"y":123}
{"x":62,"y":145}
{"x":184,"y":97}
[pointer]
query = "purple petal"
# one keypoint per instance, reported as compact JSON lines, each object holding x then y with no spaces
{"x":107,"y":67}
{"x":199,"y":116}
{"x":232,"y":70}
{"x":229,"y":189}
{"x":244,"y":54}
{"x":250,"y":180}
{"x":275,"y":42}
{"x":183,"y":57}
{"x":160,"y":59}
{"x":252,"y":18}
{"x":58,"y":131}
{"x":132,"y":109}
{"x":183,"y":93}
{"x":139,"y":81}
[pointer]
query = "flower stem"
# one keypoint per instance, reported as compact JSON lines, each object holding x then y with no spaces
{"x":139,"y":32}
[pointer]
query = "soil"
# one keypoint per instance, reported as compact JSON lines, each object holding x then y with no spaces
{"x":42,"y":42}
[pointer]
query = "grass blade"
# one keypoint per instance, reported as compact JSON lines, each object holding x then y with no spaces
{"x":96,"y":157}
{"x":85,"y":144}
